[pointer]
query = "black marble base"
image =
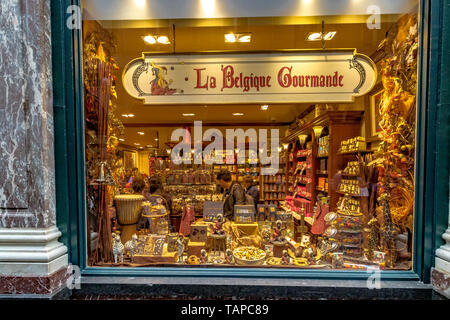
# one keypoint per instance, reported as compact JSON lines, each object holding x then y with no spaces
{"x":231,"y":292}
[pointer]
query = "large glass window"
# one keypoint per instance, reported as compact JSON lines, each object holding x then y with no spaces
{"x":250,"y":133}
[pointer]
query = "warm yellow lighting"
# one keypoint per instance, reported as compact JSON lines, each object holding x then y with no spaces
{"x":279,"y":149}
{"x":264,"y":107}
{"x":302,"y":138}
{"x":306,"y":1}
{"x":317,"y":131}
{"x":169,"y":151}
{"x":330,"y":35}
{"x":120,"y":139}
{"x":285,"y":146}
{"x":137,"y":144}
{"x":238,"y":114}
{"x":245,"y":38}
{"x":229,"y":37}
{"x":163,"y":40}
{"x":208,"y":6}
{"x":188,"y":114}
{"x":130,"y":115}
{"x":314,"y":36}
{"x":141,"y":133}
{"x":139,"y":3}
{"x":192,"y":151}
{"x":156,"y":139}
{"x":150,"y":39}
{"x":125,"y":115}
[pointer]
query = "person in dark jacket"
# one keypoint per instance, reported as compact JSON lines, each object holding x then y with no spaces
{"x":252,"y":189}
{"x":234,"y":193}
{"x":156,"y":188}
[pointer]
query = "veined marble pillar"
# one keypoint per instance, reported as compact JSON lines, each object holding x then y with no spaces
{"x":440,"y":275}
{"x":32,"y":261}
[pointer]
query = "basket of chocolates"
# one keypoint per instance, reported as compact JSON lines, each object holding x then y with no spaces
{"x":249,"y":255}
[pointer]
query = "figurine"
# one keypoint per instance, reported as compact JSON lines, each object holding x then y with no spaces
{"x":180,"y":247}
{"x":131,"y":245}
{"x":203,"y":257}
{"x":218,"y":226}
{"x":117,"y":248}
{"x":229,"y":258}
{"x":285,"y":259}
{"x":310,"y":254}
{"x":277,"y":233}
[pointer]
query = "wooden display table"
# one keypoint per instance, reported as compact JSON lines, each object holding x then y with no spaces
{"x":166,"y":257}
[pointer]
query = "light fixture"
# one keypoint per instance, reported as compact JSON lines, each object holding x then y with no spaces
{"x":279,"y":149}
{"x":330,"y":35}
{"x":139,"y":3}
{"x":188,"y":114}
{"x":302,"y":138}
{"x":153,"y":39}
{"x":245,"y":38}
{"x":141,"y":147}
{"x":285,"y":146}
{"x":128,"y":115}
{"x":238,"y":37}
{"x":237,"y":114}
{"x":208,"y":6}
{"x":317,"y":131}
{"x":317,"y":36}
{"x":163,"y":40}
{"x":137,"y":144}
{"x":169,"y":151}
{"x":156,"y":139}
{"x":229,"y":37}
{"x":264,"y":107}
{"x":150,"y":39}
{"x":120,"y":139}
{"x":141,"y":133}
{"x":192,"y":151}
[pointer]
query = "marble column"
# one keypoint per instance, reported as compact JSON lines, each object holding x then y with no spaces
{"x":440,"y":274}
{"x":32,"y":261}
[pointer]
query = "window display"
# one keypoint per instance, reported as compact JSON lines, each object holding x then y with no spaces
{"x":335,"y":198}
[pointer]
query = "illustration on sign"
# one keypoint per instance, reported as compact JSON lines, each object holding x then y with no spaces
{"x":302,"y":77}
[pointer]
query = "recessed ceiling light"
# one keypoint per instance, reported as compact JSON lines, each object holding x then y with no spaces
{"x":130,"y":115}
{"x":245,"y":38}
{"x":137,"y":144}
{"x":188,"y":114}
{"x":163,"y":40}
{"x":150,"y":39}
{"x":229,"y":37}
{"x":141,"y":133}
{"x":120,"y":139}
{"x":139,"y":3}
{"x":316,"y":36}
{"x":264,"y":107}
{"x":329,"y":35}
{"x":238,"y":114}
{"x":156,"y":139}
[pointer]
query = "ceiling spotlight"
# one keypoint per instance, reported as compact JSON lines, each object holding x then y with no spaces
{"x":130,"y":115}
{"x":245,"y":38}
{"x":156,"y":139}
{"x":137,"y":144}
{"x":329,"y":35}
{"x":120,"y":139}
{"x":188,"y":114}
{"x":141,"y":133}
{"x":163,"y":40}
{"x":238,"y":114}
{"x":316,"y":36}
{"x":264,"y":107}
{"x":150,"y":39}
{"x":139,"y":3}
{"x":229,"y":37}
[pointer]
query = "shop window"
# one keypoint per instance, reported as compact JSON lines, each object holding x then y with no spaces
{"x":282,"y":140}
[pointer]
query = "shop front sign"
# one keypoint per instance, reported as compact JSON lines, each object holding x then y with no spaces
{"x":300,"y":77}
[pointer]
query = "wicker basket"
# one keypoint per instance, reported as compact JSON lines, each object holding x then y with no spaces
{"x":128,"y":208}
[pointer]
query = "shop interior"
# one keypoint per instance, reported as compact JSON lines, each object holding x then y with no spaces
{"x":342,"y":197}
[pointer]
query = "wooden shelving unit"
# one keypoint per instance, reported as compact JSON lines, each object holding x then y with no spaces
{"x":341,"y":125}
